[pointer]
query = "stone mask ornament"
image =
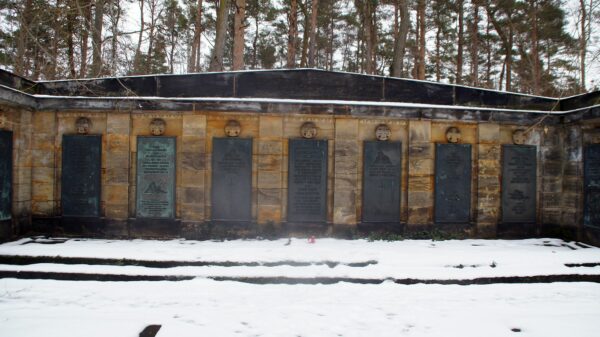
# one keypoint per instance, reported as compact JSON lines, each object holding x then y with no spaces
{"x":308,"y":130}
{"x":158,"y":127}
{"x":83,"y":125}
{"x":453,"y":135}
{"x":233,"y":128}
{"x":383,"y":132}
{"x":519,"y":137}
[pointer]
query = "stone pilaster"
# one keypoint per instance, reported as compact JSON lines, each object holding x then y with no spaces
{"x":44,"y":160}
{"x":420,"y":174}
{"x":270,"y":160}
{"x":346,"y":163}
{"x":488,"y":179}
{"x":551,"y":154}
{"x":117,"y":152}
{"x":572,"y":179}
{"x":193,"y":168}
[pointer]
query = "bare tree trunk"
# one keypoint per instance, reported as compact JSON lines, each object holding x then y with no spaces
{"x":116,"y":17}
{"x":535,"y":48}
{"x":304,"y":55}
{"x":255,"y":44}
{"x":313,"y":33}
{"x":292,"y":34}
{"x":87,"y":23}
{"x":459,"y":55}
{"x":582,"y":42}
{"x":216,"y":60}
{"x":97,"y":38}
{"x":438,"y":63}
{"x":152,"y":28}
{"x":475,"y":44}
{"x":421,"y":14}
{"x":238,"y":36}
{"x":24,"y":21}
{"x":400,"y":45}
{"x":509,"y":58}
{"x":194,"y":62}
{"x":71,"y":17}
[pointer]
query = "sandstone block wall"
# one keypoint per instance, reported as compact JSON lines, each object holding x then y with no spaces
{"x":38,"y":151}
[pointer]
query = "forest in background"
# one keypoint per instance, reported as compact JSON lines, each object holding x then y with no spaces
{"x":514,"y":45}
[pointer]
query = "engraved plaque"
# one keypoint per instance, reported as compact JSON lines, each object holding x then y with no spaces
{"x":80,"y":182}
{"x":231,"y":179}
{"x":307,"y":180}
{"x":5,"y":174}
{"x":519,"y":183}
{"x":155,"y":177}
{"x":591,"y":217}
{"x":381,"y":181}
{"x":452,"y":183}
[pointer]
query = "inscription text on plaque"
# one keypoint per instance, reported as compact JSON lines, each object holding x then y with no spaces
{"x":518,"y":183}
{"x":452,"y":183}
{"x":591,"y":217}
{"x":155,"y":177}
{"x":307,"y":180}
{"x":381,"y":181}
{"x":231,"y":197}
{"x":5,"y":174}
{"x":81,"y":166}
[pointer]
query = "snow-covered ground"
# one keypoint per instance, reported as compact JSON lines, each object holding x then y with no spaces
{"x":420,"y":259}
{"x":205,"y":307}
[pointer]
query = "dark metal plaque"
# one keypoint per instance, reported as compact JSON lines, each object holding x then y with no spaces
{"x":155,"y":177}
{"x":5,"y":174}
{"x":519,"y":183}
{"x":591,"y":217}
{"x":452,"y":183}
{"x":381,"y":181}
{"x":80,"y":182}
{"x":307,"y":181}
{"x":231,"y":179}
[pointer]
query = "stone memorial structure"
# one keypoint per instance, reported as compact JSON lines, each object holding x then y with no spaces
{"x":452,"y":183}
{"x":232,"y":176}
{"x":307,"y":187}
{"x":81,"y":167}
{"x":6,"y":138}
{"x":382,"y":178}
{"x":592,"y":186}
{"x":302,"y":150}
{"x":518,"y":184}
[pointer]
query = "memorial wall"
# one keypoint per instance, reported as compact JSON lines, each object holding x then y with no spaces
{"x":147,"y":171}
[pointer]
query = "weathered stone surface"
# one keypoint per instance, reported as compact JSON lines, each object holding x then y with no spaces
{"x":489,"y":133}
{"x":419,"y":131}
{"x":270,"y":126}
{"x":346,"y":129}
{"x":269,"y":196}
{"x":270,"y":163}
{"x":193,"y":161}
{"x":489,"y":152}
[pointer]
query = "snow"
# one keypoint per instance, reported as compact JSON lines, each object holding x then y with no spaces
{"x":418,"y":259}
{"x":204,"y":307}
{"x":209,"y":308}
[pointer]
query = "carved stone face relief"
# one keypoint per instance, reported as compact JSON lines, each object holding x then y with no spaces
{"x":383,"y":132}
{"x":308,"y":130}
{"x":233,"y":128}
{"x":519,"y":137}
{"x":83,"y":125}
{"x":453,"y":135}
{"x":158,"y":127}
